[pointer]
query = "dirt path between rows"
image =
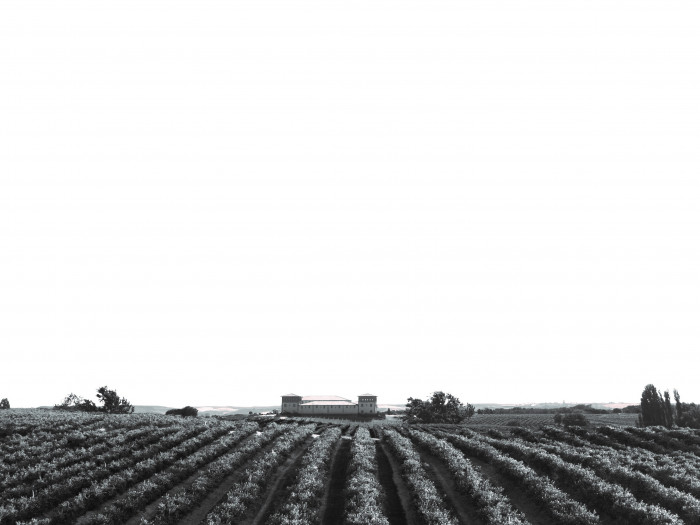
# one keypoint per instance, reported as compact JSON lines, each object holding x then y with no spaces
{"x":92,"y":513}
{"x":283,"y":476}
{"x":333,"y":508}
{"x":515,"y":494}
{"x":198,"y":514}
{"x":151,"y":508}
{"x":398,"y":506}
{"x":511,"y":489}
{"x":459,"y":504}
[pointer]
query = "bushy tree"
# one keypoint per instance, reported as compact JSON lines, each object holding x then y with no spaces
{"x":74,"y":402}
{"x":575,"y":419}
{"x":656,"y":409}
{"x":187,"y":411}
{"x":4,"y":404}
{"x":112,"y":403}
{"x":691,"y":416}
{"x":466,"y":411}
{"x":441,"y":408}
{"x":687,"y":414}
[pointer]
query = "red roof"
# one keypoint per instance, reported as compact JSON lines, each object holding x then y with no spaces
{"x":323,"y":398}
{"x":329,"y":403}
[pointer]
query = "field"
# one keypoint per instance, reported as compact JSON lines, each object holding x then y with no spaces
{"x":148,"y":468}
{"x":537,"y":420}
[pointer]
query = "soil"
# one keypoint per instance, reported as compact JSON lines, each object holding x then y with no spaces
{"x":517,"y":497}
{"x":150,"y":510}
{"x":523,"y":502}
{"x":278,"y":486}
{"x":110,"y":501}
{"x":459,"y":504}
{"x":398,"y":507}
{"x":333,"y":509}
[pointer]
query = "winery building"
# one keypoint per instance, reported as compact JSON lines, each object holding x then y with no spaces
{"x":328,"y":405}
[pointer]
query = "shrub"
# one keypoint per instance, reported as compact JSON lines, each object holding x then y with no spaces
{"x":187,"y":411}
{"x":574,"y":420}
{"x":75,"y":403}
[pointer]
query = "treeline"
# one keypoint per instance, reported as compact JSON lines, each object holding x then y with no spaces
{"x":576,"y":409}
{"x":658,"y":410}
{"x":109,"y":399}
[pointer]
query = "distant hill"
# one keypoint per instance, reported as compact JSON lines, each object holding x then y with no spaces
{"x":604,"y":406}
{"x":151,"y":409}
{"x":206,"y":410}
{"x":231,"y":410}
{"x":214,"y":410}
{"x":383,"y":407}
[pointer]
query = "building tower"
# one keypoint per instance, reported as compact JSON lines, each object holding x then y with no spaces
{"x":367,"y":404}
{"x":290,"y":403}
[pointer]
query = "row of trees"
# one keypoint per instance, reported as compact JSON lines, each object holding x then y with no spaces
{"x":657,"y":409}
{"x":440,"y":408}
{"x":110,"y":400}
{"x":576,"y":409}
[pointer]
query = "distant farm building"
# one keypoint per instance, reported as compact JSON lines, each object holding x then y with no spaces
{"x":329,"y":405}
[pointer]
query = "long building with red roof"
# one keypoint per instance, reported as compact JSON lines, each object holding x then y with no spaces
{"x":320,"y":405}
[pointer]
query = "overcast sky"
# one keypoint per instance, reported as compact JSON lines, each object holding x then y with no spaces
{"x":223,"y":202}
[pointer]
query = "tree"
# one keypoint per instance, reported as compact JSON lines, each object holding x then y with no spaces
{"x":656,"y":409}
{"x":112,"y":403}
{"x":687,"y":414}
{"x":187,"y":411}
{"x":74,"y":402}
{"x":4,"y":404}
{"x":653,"y":410}
{"x":632,"y":409}
{"x":467,"y":411}
{"x":679,"y":405}
{"x":576,"y":419}
{"x":691,"y":416}
{"x":441,"y":408}
{"x":668,"y":411}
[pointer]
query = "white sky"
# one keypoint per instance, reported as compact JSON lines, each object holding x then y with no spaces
{"x":222,"y":202}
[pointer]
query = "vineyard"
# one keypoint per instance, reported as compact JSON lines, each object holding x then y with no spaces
{"x":136,"y":469}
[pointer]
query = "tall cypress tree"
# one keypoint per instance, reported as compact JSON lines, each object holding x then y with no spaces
{"x":668,"y":410}
{"x":679,"y":406}
{"x":652,"y":407}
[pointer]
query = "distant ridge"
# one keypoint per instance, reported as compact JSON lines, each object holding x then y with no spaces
{"x":150,"y":409}
{"x":222,"y":410}
{"x":208,"y":410}
{"x":605,"y":406}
